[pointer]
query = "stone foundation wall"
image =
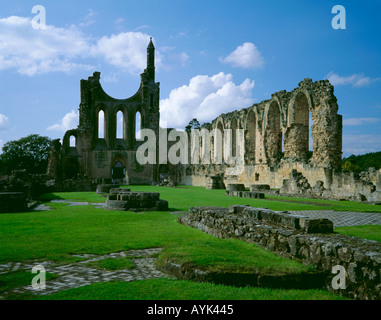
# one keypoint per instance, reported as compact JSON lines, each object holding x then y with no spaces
{"x":12,"y":202}
{"x":307,"y":240}
{"x":297,"y":179}
{"x":123,"y":199}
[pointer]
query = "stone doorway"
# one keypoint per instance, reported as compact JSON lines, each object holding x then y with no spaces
{"x":118,"y":173}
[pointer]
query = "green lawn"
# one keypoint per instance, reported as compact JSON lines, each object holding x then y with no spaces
{"x":168,"y":289}
{"x":183,"y":197}
{"x":365,"y":232}
{"x":335,"y":205}
{"x":67,"y":230}
{"x":19,"y":279}
{"x":112,"y":264}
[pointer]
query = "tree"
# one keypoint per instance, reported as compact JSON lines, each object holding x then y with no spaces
{"x":30,"y":153}
{"x":362,"y":162}
{"x":349,"y":166}
{"x":193,"y":124}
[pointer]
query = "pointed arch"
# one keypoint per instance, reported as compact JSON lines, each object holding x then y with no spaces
{"x":72,"y":141}
{"x":138,"y":124}
{"x":298,"y":130}
{"x":273,"y":133}
{"x":219,"y":144}
{"x":101,"y":124}
{"x":120,"y":125}
{"x":234,"y":127}
{"x":250,"y":137}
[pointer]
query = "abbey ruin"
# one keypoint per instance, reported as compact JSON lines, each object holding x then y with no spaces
{"x":277,"y":150}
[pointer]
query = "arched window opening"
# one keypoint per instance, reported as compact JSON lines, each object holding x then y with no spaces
{"x":101,"y":124}
{"x":234,"y":127}
{"x":138,"y":125}
{"x":250,"y":137}
{"x":302,"y":126}
{"x":310,"y":122}
{"x":72,"y":142}
{"x":273,"y":140}
{"x":219,"y":144}
{"x":120,"y":125}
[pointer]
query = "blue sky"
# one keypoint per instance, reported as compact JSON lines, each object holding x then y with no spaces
{"x":212,"y":57}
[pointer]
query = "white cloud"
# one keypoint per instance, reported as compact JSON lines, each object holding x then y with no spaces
{"x":1,"y":146}
{"x":3,"y":122}
{"x":69,"y":121}
{"x":245,"y":56}
{"x":205,"y":98}
{"x":356,"y":79}
{"x":359,"y":121}
{"x":34,"y":51}
{"x":127,"y":50}
{"x":361,"y":143}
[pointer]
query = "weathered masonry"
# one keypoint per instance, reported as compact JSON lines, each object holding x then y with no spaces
{"x":292,"y":142}
{"x":98,"y":151}
{"x":277,"y":136}
{"x":310,"y":241}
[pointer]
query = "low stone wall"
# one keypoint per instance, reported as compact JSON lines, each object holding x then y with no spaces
{"x":12,"y":202}
{"x":245,"y":194}
{"x":105,"y":188}
{"x":235,"y":187}
{"x":125,"y":200}
{"x":188,"y":271}
{"x":310,"y":241}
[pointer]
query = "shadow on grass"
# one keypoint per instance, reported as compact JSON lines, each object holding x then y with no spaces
{"x":47,"y":197}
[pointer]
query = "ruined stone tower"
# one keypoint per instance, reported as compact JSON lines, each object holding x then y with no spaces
{"x":98,"y":152}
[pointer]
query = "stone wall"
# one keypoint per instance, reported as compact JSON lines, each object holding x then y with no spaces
{"x":276,"y":142}
{"x":310,"y":241}
{"x":13,"y":202}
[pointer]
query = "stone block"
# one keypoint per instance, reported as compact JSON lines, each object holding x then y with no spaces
{"x":13,"y":202}
{"x":235,"y":187}
{"x":105,"y":188}
{"x":259,"y":187}
{"x":123,"y":199}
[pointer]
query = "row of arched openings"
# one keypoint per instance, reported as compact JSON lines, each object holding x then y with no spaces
{"x":299,"y":126}
{"x":120,"y":125}
{"x":121,"y":132}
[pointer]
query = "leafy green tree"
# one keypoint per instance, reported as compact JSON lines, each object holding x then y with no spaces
{"x":30,"y":153}
{"x":364,"y":161}
{"x":349,"y":166}
{"x":193,"y":124}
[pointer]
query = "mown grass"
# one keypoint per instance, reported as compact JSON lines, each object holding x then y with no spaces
{"x":229,"y":255}
{"x":57,"y":234}
{"x":335,"y":205}
{"x":183,"y":197}
{"x":112,"y":264}
{"x":371,"y":232}
{"x":168,"y":289}
{"x":67,"y":230}
{"x":19,"y":279}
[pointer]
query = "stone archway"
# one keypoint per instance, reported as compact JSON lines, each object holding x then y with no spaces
{"x":273,"y":134}
{"x":119,"y":173}
{"x":297,"y":133}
